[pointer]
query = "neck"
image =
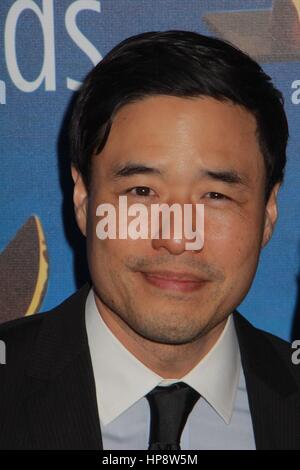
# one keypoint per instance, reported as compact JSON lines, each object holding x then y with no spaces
{"x":167,"y":360}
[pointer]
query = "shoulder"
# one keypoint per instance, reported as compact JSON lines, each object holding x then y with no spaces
{"x":286,"y":351}
{"x":261,"y":348}
{"x":19,"y":337}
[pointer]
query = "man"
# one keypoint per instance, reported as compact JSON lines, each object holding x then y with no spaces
{"x":154,"y":354}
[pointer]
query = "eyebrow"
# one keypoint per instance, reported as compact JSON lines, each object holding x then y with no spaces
{"x":227,"y":176}
{"x":131,"y":169}
{"x":231,"y":177}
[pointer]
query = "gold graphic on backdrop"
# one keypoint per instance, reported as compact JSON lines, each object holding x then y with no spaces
{"x":23,"y":272}
{"x":266,"y":35}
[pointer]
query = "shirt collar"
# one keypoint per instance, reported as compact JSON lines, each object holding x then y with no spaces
{"x":121,"y":379}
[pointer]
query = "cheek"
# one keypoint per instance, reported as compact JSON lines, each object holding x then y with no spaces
{"x":233,"y":238}
{"x":109,"y":254}
{"x":108,"y":270}
{"x":113,"y":250}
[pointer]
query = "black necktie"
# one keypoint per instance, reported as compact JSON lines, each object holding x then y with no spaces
{"x":170,"y":407}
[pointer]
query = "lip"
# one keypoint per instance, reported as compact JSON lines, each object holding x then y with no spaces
{"x":172,"y":280}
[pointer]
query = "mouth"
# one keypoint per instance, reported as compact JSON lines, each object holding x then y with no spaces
{"x":175,"y":281}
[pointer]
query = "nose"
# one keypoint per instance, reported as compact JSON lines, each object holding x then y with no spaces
{"x":174,"y":246}
{"x":177,"y":230}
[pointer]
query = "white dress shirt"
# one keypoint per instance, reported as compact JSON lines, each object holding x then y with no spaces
{"x":219,"y":420}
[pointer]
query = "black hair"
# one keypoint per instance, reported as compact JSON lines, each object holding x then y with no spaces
{"x":182,"y":64}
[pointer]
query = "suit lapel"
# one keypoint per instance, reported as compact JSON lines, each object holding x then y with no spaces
{"x":272,"y":390}
{"x":61,"y":404}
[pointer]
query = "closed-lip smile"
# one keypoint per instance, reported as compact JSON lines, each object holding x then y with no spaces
{"x":174,"y":280}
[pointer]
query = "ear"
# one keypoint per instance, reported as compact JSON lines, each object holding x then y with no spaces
{"x":80,"y":199}
{"x":271,"y":214}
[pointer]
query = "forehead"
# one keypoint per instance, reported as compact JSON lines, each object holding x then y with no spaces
{"x":179,"y":133}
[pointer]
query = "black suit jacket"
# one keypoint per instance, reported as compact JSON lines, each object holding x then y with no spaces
{"x":47,"y":388}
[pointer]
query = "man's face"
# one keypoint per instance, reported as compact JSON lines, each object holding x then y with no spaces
{"x":199,"y":151}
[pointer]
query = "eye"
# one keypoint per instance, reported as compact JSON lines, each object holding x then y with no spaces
{"x":141,"y":191}
{"x":215,"y":196}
